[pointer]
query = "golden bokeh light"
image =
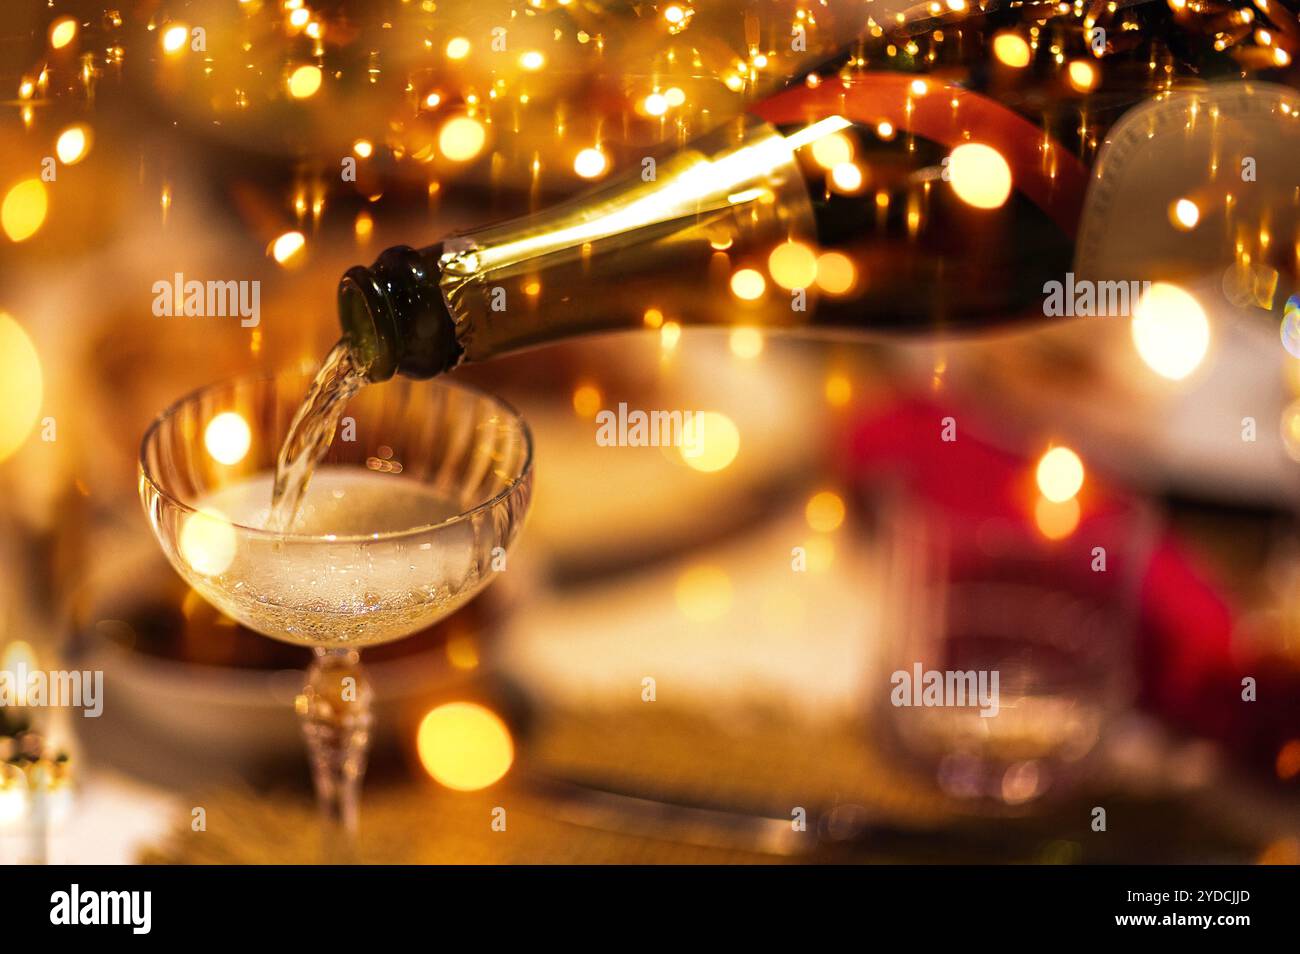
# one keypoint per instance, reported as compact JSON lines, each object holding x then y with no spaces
{"x":207,"y":542}
{"x":836,"y":273}
{"x":653,"y":318}
{"x":532,"y":61}
{"x":832,"y":150}
{"x":1059,"y":474}
{"x":73,"y":144}
{"x":21,"y":385}
{"x":1011,"y":50}
{"x":847,"y":177}
{"x":363,"y":148}
{"x":748,"y":284}
{"x":587,"y":400}
{"x":590,"y":163}
{"x":1082,"y":74}
{"x":62,"y":32}
{"x":465,"y":746}
{"x":287,"y":248}
{"x":656,"y":104}
{"x":979,"y":175}
{"x":364,"y":225}
{"x":24,"y":208}
{"x":227,"y":438}
{"x":305,"y":81}
{"x":457,"y":48}
{"x":1170,"y":331}
{"x":175,"y":38}
{"x":713,"y":442}
{"x":1184,"y":214}
{"x":462,"y":138}
{"x":703,"y":593}
{"x":793,"y":265}
{"x":824,"y":511}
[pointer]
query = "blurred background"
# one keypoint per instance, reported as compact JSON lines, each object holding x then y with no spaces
{"x":689,"y":658}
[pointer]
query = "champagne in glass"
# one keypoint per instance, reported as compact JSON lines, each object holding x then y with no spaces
{"x":399,"y":528}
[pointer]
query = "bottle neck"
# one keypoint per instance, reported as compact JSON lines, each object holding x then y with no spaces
{"x":643,"y":243}
{"x":394,"y":316}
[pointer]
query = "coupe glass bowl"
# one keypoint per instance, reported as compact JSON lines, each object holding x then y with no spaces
{"x":468,"y":454}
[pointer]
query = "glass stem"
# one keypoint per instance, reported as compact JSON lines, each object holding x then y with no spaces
{"x":335,"y":710}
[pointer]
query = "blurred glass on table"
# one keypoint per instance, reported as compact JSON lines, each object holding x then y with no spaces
{"x":1009,"y":644}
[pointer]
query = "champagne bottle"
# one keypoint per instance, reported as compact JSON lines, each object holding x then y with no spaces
{"x":867,"y":202}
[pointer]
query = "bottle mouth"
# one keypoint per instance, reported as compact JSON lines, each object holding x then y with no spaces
{"x":368,"y":323}
{"x":395,"y":318}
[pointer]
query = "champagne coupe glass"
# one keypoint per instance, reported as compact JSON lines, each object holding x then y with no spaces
{"x":410,"y":513}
